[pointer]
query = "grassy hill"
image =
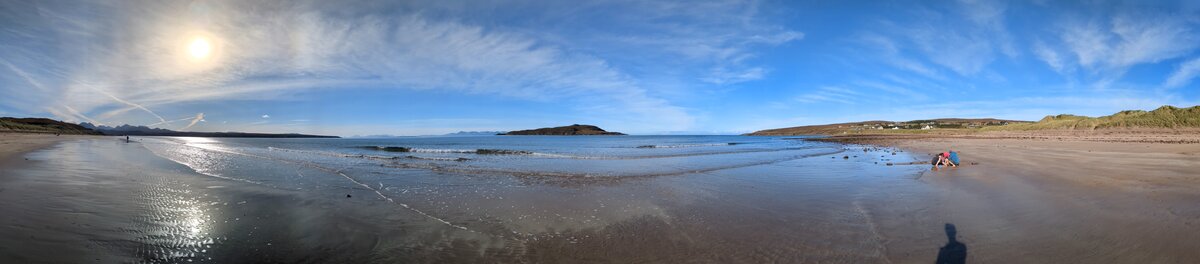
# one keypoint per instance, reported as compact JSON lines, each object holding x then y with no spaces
{"x":42,"y":125}
{"x":1164,"y":117}
{"x":888,"y":127}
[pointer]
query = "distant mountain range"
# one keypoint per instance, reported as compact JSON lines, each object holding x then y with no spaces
{"x":128,"y":130}
{"x":476,"y":133}
{"x":571,"y":130}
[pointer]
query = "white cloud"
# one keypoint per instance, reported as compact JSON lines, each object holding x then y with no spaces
{"x":1111,"y":48}
{"x":199,"y":117}
{"x":965,"y":53}
{"x":832,"y":94}
{"x":266,"y":116}
{"x":1151,"y":39}
{"x":1089,"y":43}
{"x":1050,"y":56}
{"x":894,"y":90}
{"x":889,"y":53}
{"x":1184,"y":74}
{"x":711,"y":41}
{"x":724,"y":76}
{"x":989,"y":16}
{"x":964,"y":39}
{"x":282,"y":47}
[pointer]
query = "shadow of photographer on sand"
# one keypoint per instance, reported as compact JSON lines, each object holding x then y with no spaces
{"x":953,"y":252}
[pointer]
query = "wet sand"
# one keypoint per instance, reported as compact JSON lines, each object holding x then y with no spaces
{"x":1014,"y":201}
{"x":1052,"y":199}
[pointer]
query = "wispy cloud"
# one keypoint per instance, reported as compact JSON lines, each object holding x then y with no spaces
{"x":638,"y":65}
{"x":1184,"y":74}
{"x":1050,"y":56}
{"x":891,"y":54}
{"x":963,"y":38}
{"x":894,"y":90}
{"x":285,"y":46}
{"x":77,"y":114}
{"x":1109,"y":47}
{"x":172,"y":121}
{"x":831,"y":94}
{"x":199,"y":117}
{"x":720,"y":36}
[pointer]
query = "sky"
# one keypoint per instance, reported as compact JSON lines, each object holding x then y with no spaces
{"x":641,"y":67}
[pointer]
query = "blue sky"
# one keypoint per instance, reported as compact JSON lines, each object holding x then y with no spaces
{"x":644,"y":67}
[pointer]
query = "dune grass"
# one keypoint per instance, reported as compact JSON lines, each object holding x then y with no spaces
{"x":40,"y":125}
{"x":1163,"y":117}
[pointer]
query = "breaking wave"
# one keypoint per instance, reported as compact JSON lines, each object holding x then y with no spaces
{"x":690,"y":145}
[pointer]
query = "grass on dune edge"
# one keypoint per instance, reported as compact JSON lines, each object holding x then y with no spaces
{"x":1164,"y":118}
{"x":42,"y":125}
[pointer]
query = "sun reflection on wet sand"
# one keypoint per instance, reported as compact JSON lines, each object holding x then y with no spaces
{"x":177,"y":224}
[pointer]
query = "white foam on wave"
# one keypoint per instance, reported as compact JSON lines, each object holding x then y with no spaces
{"x":389,"y":199}
{"x":422,"y":150}
{"x":688,"y":145}
{"x":201,"y":169}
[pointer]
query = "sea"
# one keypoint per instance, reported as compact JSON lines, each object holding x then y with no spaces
{"x":451,"y":199}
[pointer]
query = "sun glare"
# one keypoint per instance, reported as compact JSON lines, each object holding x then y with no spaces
{"x":200,"y":48}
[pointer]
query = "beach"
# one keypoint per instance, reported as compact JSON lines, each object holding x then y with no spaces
{"x":714,"y":199}
{"x":1064,"y":197}
{"x":15,"y":144}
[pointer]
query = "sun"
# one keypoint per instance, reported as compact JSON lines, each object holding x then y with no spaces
{"x":200,"y":48}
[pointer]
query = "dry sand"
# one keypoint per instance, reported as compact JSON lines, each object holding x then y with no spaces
{"x":15,"y":144}
{"x":1052,"y":198}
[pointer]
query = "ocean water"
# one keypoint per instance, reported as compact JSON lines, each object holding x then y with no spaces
{"x":455,"y":199}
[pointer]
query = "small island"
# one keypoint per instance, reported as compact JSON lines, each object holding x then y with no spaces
{"x":571,"y":130}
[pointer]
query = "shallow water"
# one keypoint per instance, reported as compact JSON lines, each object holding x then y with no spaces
{"x":450,"y":199}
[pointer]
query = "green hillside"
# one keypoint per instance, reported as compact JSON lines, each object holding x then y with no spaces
{"x":42,"y":125}
{"x":1163,"y":117}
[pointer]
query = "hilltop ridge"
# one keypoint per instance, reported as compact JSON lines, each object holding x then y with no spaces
{"x":1167,"y":116}
{"x":880,"y":126}
{"x":43,"y":125}
{"x":571,"y":130}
